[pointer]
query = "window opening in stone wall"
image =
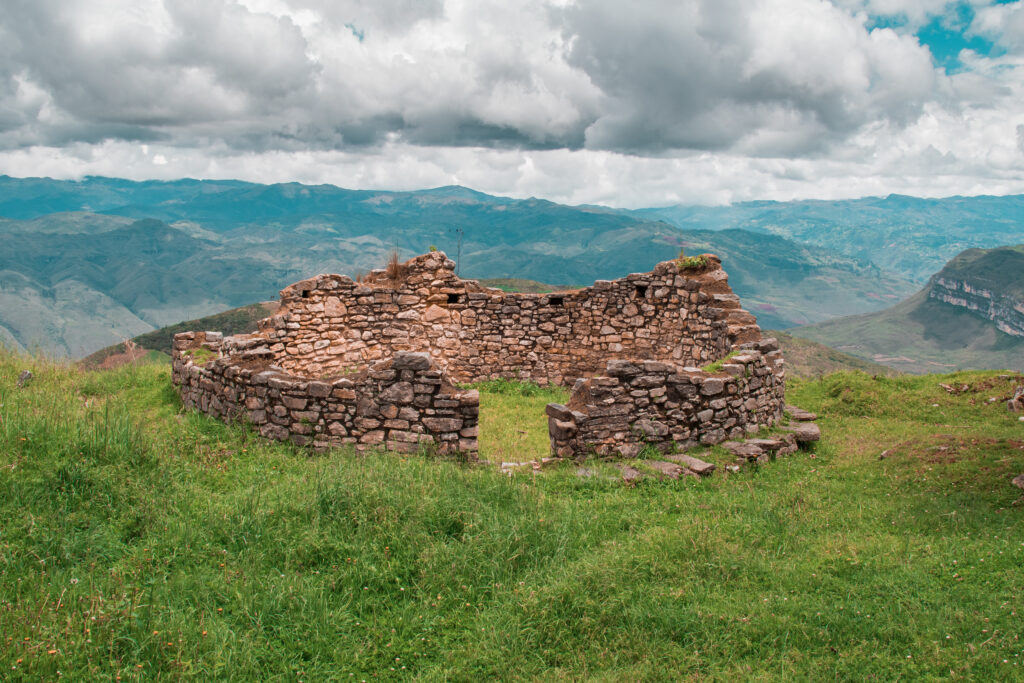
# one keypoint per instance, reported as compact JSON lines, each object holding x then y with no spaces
{"x":641,"y":291}
{"x":556,"y":301}
{"x":453,"y":298}
{"x":305,"y":294}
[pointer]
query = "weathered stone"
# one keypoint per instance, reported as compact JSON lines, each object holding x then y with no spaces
{"x":629,"y":450}
{"x":741,"y":449}
{"x":692,"y":464}
{"x":373,"y":437}
{"x":652,"y":430}
{"x":648,"y":332}
{"x":411,"y":361}
{"x":442,"y":424}
{"x":400,"y":393}
{"x":561,"y":430}
{"x":800,"y":414}
{"x":622,"y":368}
{"x":294,"y":402}
{"x":319,"y":389}
{"x":712,"y":386}
{"x":559,"y":412}
{"x":665,"y":469}
{"x":806,"y":432}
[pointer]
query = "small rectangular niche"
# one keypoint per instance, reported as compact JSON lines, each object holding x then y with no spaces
{"x":454,"y":298}
{"x":641,"y":291}
{"x":305,"y":293}
{"x":556,"y":300}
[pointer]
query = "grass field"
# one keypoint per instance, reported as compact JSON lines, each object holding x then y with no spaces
{"x":138,"y":542}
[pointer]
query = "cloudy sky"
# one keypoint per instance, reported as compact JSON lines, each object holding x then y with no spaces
{"x":640,"y":103}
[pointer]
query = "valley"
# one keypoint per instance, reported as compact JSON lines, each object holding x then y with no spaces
{"x":150,"y":254}
{"x":967,"y":317}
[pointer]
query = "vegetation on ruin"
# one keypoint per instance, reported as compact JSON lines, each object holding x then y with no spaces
{"x":200,"y":356}
{"x":143,"y":542}
{"x":692,"y":262}
{"x":716,"y":366}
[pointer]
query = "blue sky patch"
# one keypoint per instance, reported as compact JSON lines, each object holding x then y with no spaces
{"x":947,"y":35}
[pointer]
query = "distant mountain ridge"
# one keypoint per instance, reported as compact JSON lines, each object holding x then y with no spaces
{"x":971,"y":315}
{"x":96,"y":261}
{"x":910,"y":236}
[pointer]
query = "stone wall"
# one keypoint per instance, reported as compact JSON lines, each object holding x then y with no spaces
{"x":373,"y":363}
{"x":330,"y":324}
{"x":403,"y":403}
{"x":661,"y":404}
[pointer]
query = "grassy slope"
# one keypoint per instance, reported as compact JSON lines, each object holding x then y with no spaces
{"x":143,"y":542}
{"x":235,"y":321}
{"x":806,"y":359}
{"x":921,"y":335}
{"x":1001,"y":270}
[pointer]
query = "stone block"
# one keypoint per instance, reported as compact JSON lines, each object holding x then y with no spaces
{"x":561,"y":430}
{"x":559,"y":412}
{"x":712,"y":386}
{"x":622,"y":368}
{"x":294,"y":402}
{"x":442,"y":424}
{"x":319,"y":389}
{"x":651,"y":430}
{"x":373,"y":437}
{"x":408,"y":360}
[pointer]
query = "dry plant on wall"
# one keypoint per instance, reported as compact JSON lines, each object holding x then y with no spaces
{"x":395,"y":270}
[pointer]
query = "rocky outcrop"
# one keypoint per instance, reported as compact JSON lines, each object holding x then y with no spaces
{"x":1007,"y":312}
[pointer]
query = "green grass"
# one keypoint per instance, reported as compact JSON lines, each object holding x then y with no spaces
{"x":692,"y":262}
{"x":147,"y":543}
{"x":717,"y":365}
{"x":513,"y":424}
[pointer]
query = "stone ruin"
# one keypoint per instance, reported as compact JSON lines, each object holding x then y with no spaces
{"x":378,"y":363}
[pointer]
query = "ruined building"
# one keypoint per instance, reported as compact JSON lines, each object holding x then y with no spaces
{"x":379,"y":363}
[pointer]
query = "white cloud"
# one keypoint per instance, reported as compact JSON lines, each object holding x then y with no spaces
{"x":599,"y":101}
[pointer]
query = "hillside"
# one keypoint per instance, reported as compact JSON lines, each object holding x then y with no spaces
{"x":806,"y":359}
{"x":143,"y":542}
{"x":145,"y":255}
{"x":235,"y":321}
{"x":910,"y":236}
{"x":968,"y":317}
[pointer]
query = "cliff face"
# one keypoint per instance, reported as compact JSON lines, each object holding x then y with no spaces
{"x":1006,"y":312}
{"x":986,"y":283}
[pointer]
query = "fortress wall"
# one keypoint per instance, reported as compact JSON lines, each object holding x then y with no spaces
{"x":374,"y":363}
{"x":330,"y":324}
{"x":404,"y":403}
{"x":659,"y":404}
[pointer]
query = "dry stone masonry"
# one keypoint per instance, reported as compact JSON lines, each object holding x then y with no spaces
{"x":376,"y":363}
{"x":666,"y":406}
{"x":403,"y":403}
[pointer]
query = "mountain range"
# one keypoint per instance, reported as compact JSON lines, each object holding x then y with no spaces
{"x":95,"y":261}
{"x":970,"y":315}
